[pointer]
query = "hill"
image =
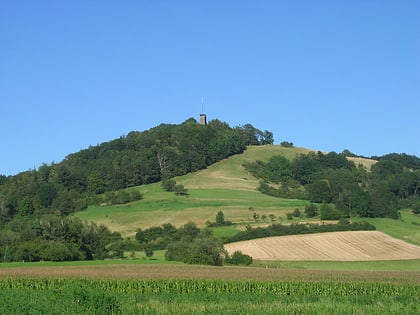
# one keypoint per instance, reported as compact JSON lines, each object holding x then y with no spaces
{"x":225,"y":185}
{"x":46,"y":213}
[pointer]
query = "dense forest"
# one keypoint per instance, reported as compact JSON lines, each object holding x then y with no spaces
{"x":391,"y":184}
{"x":34,"y":205}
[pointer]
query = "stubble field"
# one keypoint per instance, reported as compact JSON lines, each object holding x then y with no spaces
{"x":336,"y":246}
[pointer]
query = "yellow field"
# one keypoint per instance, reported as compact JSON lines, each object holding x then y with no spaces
{"x":335,"y":246}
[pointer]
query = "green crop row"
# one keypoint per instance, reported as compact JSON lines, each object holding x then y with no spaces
{"x":89,"y":296}
{"x":316,"y":288}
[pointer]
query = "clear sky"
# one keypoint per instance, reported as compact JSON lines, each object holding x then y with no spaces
{"x":326,"y":75}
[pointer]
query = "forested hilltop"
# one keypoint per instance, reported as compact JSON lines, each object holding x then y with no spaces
{"x":136,"y":159}
{"x":34,"y":205}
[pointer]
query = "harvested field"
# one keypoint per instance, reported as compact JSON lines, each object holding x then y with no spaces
{"x":336,"y":246}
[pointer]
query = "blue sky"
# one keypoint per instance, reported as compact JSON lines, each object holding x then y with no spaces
{"x":326,"y":75}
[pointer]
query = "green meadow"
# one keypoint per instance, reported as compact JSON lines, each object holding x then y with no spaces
{"x":224,"y":186}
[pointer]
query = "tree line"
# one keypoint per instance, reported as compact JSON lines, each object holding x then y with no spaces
{"x":392,"y":183}
{"x":52,"y":238}
{"x":35,"y":205}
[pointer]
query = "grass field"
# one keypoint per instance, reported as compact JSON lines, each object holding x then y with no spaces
{"x":406,"y":229}
{"x":200,"y":205}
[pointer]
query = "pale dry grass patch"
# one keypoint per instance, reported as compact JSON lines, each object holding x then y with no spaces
{"x":367,"y":163}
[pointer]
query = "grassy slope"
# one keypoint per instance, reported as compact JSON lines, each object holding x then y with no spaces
{"x":406,"y":229}
{"x":228,"y":187}
{"x":223,"y":186}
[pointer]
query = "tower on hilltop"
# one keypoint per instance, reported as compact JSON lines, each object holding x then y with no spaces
{"x":203,"y":118}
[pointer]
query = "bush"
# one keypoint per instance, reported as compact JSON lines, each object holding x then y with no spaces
{"x":238,"y":258}
{"x":135,"y":195}
{"x":311,"y":211}
{"x":416,"y":208}
{"x":286,"y":144}
{"x":329,"y":213}
{"x":296,"y":213}
{"x":148,"y":250}
{"x":168,"y":184}
{"x":180,"y":190}
{"x":195,"y":247}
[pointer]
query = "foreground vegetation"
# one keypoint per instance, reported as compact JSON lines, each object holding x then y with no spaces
{"x":76,"y":296}
{"x":102,"y":287}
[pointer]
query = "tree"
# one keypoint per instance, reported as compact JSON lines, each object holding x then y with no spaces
{"x":206,"y":250}
{"x":148,"y":250}
{"x":296,"y":213}
{"x":311,"y":211}
{"x":286,"y":144}
{"x":267,"y":137}
{"x":383,"y":201}
{"x":180,"y":190}
{"x":319,"y":191}
{"x":193,"y":246}
{"x":277,"y":169}
{"x":255,"y":216}
{"x":416,"y":208}
{"x":220,"y":218}
{"x":329,"y":213}
{"x":135,"y":195}
{"x":188,"y":232}
{"x":140,"y":236}
{"x":250,"y":135}
{"x":168,"y":184}
{"x":123,"y":197}
{"x":305,"y":168}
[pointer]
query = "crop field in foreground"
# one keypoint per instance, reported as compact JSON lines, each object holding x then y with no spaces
{"x":198,"y":296}
{"x":193,"y":289}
